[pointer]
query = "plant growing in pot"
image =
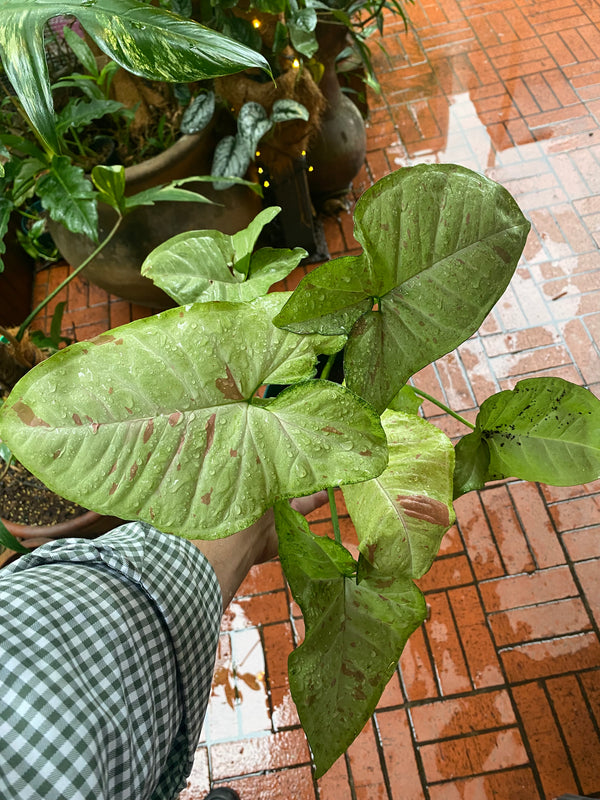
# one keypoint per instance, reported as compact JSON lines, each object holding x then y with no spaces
{"x":20,"y":349}
{"x":187,"y":440}
{"x":134,"y":36}
{"x":304,"y":42}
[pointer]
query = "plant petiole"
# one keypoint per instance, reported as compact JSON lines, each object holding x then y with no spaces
{"x":327,"y":368}
{"x":334,"y":516}
{"x":67,"y":280}
{"x":444,"y":407}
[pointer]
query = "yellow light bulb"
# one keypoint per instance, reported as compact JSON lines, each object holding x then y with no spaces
{"x":310,"y":169}
{"x":303,"y":153}
{"x":256,"y":23}
{"x":257,"y":154}
{"x":266,"y":184}
{"x":260,"y":170}
{"x":296,"y":64}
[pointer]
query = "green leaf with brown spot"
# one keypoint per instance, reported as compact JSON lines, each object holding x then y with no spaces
{"x":401,"y":516}
{"x":158,"y":420}
{"x":355,"y":634}
{"x":440,"y":244}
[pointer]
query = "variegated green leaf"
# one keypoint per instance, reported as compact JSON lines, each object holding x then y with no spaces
{"x":158,"y":420}
{"x":355,"y":633}
{"x":440,"y":246}
{"x":402,"y":515}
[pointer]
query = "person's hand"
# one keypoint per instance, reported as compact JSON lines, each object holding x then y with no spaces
{"x":233,"y":556}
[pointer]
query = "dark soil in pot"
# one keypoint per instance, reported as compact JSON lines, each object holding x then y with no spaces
{"x":26,"y":501}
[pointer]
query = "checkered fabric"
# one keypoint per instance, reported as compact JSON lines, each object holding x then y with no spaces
{"x":107,"y":651}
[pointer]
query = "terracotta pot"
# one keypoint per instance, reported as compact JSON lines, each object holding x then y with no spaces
{"x":117,"y":268}
{"x":338,"y":152}
{"x":16,"y":281}
{"x":86,"y":526}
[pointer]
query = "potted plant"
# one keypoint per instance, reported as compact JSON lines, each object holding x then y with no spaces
{"x":134,"y":36}
{"x":188,"y":442}
{"x":305,"y":41}
{"x":21,"y":349}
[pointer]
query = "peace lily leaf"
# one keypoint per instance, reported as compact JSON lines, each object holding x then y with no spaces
{"x":143,"y":39}
{"x":183,"y":268}
{"x":68,"y":197}
{"x":440,"y":246}
{"x":407,"y":400}
{"x":157,"y":420}
{"x":472,"y":456}
{"x":355,"y":634}
{"x":9,"y":541}
{"x":545,"y":429}
{"x":401,"y":516}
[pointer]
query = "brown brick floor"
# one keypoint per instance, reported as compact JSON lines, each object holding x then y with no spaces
{"x":498,"y":694}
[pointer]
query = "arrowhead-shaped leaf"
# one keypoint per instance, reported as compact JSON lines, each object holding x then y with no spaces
{"x":252,"y":125}
{"x":440,"y":246}
{"x":329,"y":299}
{"x":402,"y":515}
{"x":110,"y":182}
{"x":545,"y":429}
{"x":158,"y":420}
{"x":69,"y":198}
{"x":229,"y":159}
{"x":355,"y":633}
{"x":202,"y":266}
{"x":244,"y":241}
{"x":143,"y":39}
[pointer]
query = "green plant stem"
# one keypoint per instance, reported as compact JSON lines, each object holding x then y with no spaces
{"x":67,"y":280}
{"x":327,"y":368}
{"x":444,"y":407}
{"x":334,"y":516}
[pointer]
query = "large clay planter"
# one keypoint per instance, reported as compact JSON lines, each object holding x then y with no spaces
{"x":86,"y":526}
{"x":117,"y":267}
{"x":338,"y":151}
{"x":16,"y":281}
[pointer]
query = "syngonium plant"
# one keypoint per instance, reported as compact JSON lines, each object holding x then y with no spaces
{"x":165,"y":419}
